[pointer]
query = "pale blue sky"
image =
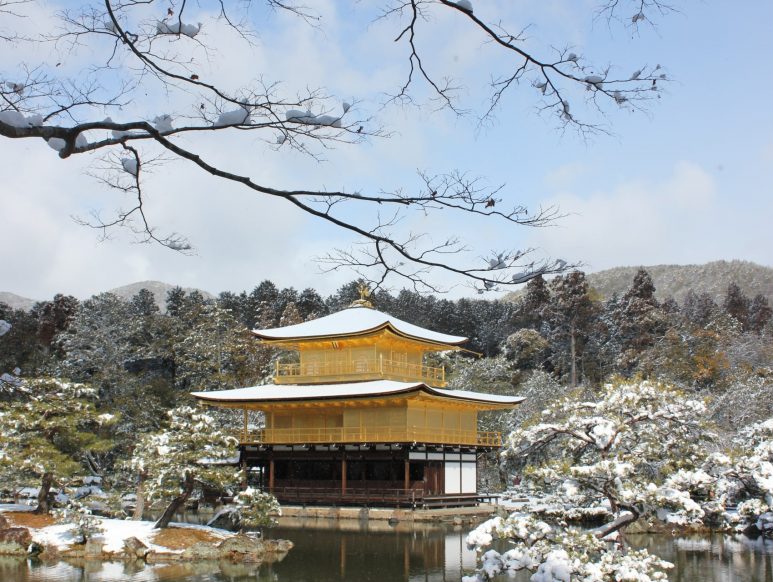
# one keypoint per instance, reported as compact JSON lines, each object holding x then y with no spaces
{"x":688,"y":182}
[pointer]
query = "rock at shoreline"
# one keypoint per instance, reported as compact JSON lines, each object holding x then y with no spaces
{"x":225,"y":519}
{"x":134,"y":548}
{"x":201,"y":551}
{"x":241,"y":548}
{"x":277,"y":546}
{"x":4,"y":522}
{"x":15,"y":541}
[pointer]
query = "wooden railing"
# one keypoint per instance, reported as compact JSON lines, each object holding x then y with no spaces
{"x":369,"y":434}
{"x":377,"y":496}
{"x":364,"y":369}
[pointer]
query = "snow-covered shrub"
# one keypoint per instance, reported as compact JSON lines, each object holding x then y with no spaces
{"x":557,"y":555}
{"x":84,"y":524}
{"x":751,"y":476}
{"x":637,"y":450}
{"x":256,"y":509}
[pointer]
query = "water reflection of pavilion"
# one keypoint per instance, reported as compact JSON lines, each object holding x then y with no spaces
{"x":373,"y":550}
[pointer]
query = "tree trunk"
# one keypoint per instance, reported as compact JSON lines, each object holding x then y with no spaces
{"x":176,"y":503}
{"x":45,"y":487}
{"x":139,"y":507}
{"x":624,"y":519}
{"x":573,"y":356}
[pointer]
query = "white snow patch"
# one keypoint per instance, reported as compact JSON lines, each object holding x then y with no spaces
{"x":163,"y":123}
{"x":130,"y":165}
{"x":465,"y":5}
{"x":177,"y":27}
{"x":238,"y":116}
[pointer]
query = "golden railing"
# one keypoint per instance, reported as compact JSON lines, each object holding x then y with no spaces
{"x":369,"y":434}
{"x":363,"y":369}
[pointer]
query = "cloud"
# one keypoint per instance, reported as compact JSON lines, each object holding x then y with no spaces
{"x":676,"y":219}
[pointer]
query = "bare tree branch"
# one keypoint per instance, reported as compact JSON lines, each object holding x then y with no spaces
{"x":146,"y":45}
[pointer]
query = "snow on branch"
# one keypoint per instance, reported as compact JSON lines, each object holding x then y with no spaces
{"x":149,"y":48}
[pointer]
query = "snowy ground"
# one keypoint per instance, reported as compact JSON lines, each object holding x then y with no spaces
{"x":116,"y":531}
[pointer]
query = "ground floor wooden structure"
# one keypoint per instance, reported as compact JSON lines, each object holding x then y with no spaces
{"x":391,"y":475}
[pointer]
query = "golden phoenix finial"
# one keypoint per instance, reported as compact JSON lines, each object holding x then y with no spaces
{"x":364,"y":300}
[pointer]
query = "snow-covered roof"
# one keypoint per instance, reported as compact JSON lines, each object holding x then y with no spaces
{"x":294,"y":392}
{"x":355,"y":320}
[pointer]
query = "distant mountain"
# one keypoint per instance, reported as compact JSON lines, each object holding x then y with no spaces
{"x":676,"y":280}
{"x":16,"y":301}
{"x":158,"y":288}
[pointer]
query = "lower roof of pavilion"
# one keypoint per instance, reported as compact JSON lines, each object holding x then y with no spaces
{"x":372,"y":393}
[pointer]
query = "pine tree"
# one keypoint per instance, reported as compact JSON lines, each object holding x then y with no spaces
{"x":52,"y":431}
{"x":143,"y":304}
{"x":191,"y":451}
{"x":175,"y":299}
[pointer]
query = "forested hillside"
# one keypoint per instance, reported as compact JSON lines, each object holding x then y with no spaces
{"x":144,"y":359}
{"x":677,"y":280}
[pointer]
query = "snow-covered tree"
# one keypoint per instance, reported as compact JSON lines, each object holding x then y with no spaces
{"x":256,"y":509}
{"x":749,"y":479}
{"x":191,"y":451}
{"x":570,"y":318}
{"x":50,"y":432}
{"x":736,"y":304}
{"x":217,"y":352}
{"x":619,"y":455}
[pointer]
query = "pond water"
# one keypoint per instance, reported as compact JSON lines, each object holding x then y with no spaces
{"x":374,"y":551}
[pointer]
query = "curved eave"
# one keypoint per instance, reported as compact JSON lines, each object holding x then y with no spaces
{"x":386,"y":326}
{"x":475,"y":399}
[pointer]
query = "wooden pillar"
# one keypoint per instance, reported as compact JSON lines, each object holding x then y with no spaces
{"x":343,"y":476}
{"x":244,"y":434}
{"x":271,"y":476}
{"x":407,"y":474}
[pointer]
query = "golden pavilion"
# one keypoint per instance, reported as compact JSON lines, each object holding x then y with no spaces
{"x":356,"y":416}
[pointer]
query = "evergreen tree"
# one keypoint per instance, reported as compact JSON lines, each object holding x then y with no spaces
{"x":143,"y":304}
{"x":175,"y":299}
{"x":535,"y":300}
{"x":54,"y":317}
{"x":344,"y":297}
{"x":736,"y":304}
{"x":636,"y":321}
{"x":290,"y":315}
{"x":218,"y":353}
{"x":311,"y":305}
{"x":51,"y":431}
{"x":570,"y":317}
{"x":759,"y":313}
{"x":262,"y":305}
{"x":19,"y":345}
{"x":191,"y":451}
{"x":699,"y":309}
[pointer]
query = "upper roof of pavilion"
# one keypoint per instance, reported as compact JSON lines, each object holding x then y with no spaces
{"x":356,"y":321}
